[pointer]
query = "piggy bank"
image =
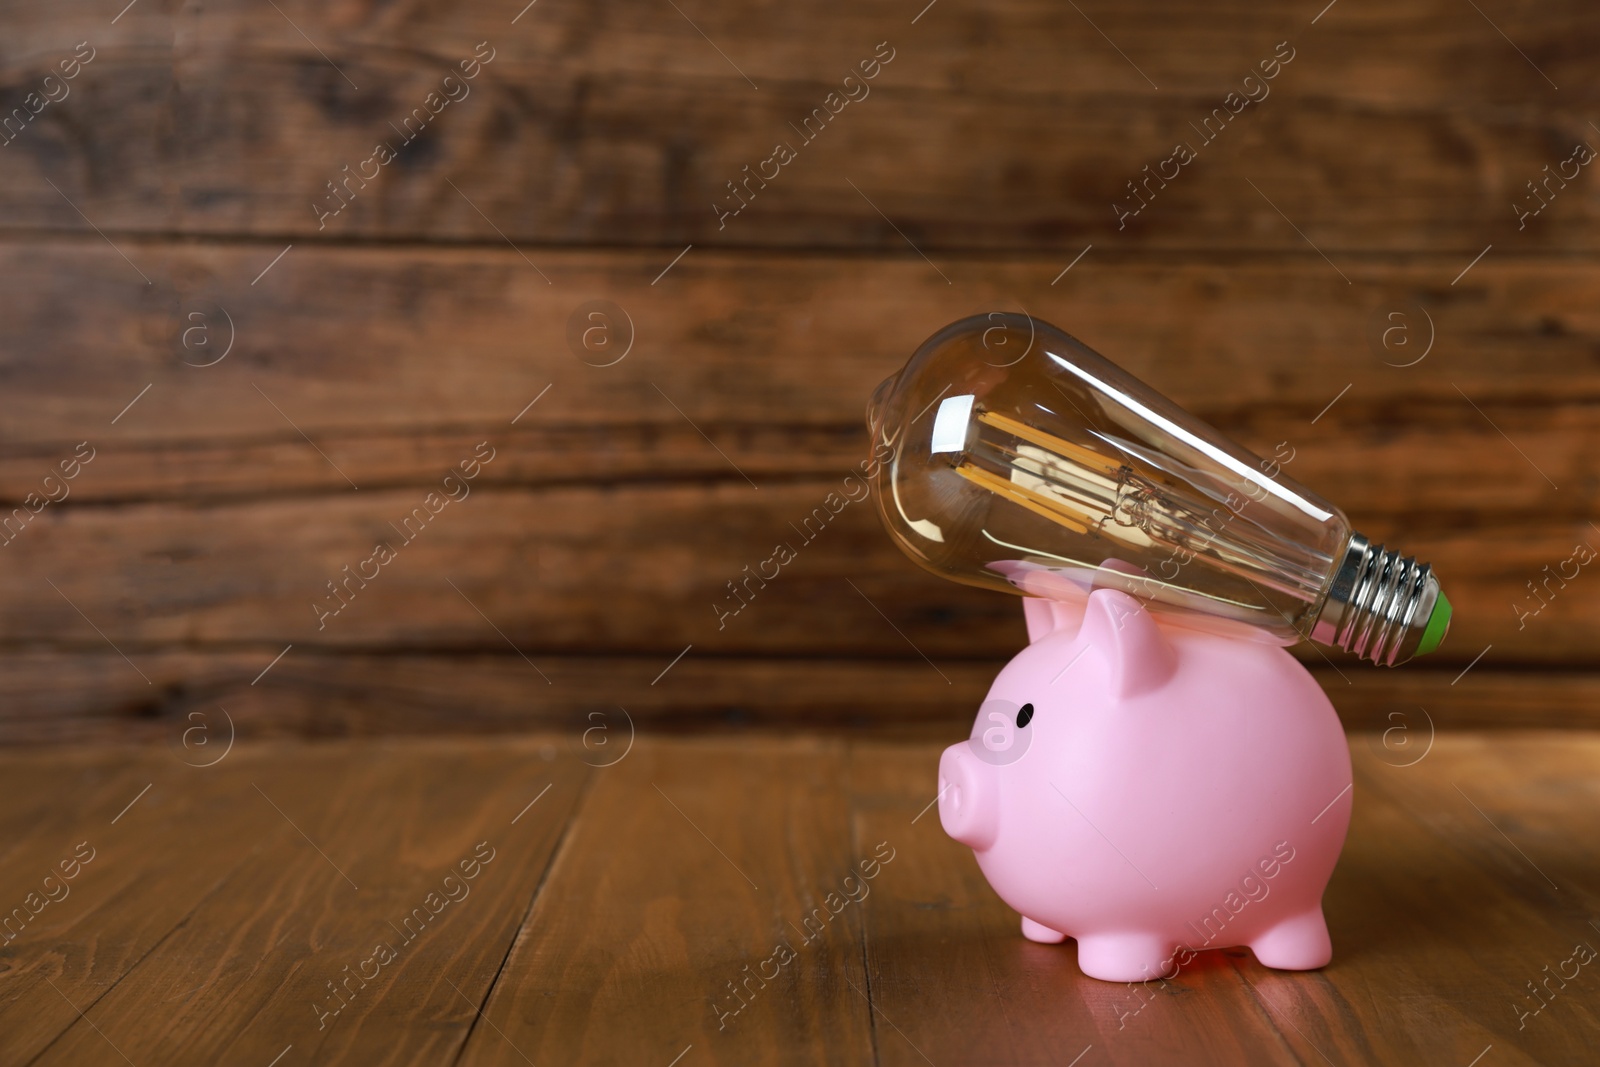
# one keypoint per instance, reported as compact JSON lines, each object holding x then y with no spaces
{"x":1153,"y":791}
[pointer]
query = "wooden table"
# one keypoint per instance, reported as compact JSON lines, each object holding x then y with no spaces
{"x":233,"y":913}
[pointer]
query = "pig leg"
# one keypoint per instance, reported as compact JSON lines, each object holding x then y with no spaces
{"x":1297,"y":943}
{"x":1041,"y":933}
{"x":1124,"y":957}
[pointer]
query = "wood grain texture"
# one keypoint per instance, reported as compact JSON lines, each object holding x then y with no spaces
{"x":1469,"y":816}
{"x":152,"y":856}
{"x":52,"y":928}
{"x":664,"y":923}
{"x":1434,"y":915}
{"x":941,"y":947}
{"x":1464,"y":876}
{"x":1008,"y":45}
{"x":608,"y":525}
{"x":597,"y":702}
{"x":1012,"y":127}
{"x":149,"y":218}
{"x":349,"y":842}
{"x":393,"y":360}
{"x":167,"y":212}
{"x":584,"y":571}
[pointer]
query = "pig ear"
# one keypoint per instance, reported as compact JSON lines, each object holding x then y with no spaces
{"x":1045,"y":616}
{"x":1140,"y":656}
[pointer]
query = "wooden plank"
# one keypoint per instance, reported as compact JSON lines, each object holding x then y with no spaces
{"x":148,"y":839}
{"x":1442,"y":909}
{"x":253,"y":964}
{"x":1435,"y":922}
{"x":1011,"y":45}
{"x":1442,"y":458}
{"x":1470,"y":470}
{"x":954,"y":981}
{"x":592,"y":570}
{"x":692,"y":861}
{"x":388,"y":343}
{"x":1016,"y":129}
{"x":318,"y":694}
{"x":772,"y":357}
{"x":28,"y":813}
{"x":42,"y":840}
{"x":1438,"y":922}
{"x":1541,"y":814}
{"x":321,"y":694}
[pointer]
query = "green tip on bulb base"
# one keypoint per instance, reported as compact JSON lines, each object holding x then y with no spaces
{"x":1375,"y":604}
{"x":1438,"y":626}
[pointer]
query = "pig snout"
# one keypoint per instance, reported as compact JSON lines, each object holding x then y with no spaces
{"x":969,"y":805}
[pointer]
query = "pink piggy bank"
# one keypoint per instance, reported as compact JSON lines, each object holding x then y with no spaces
{"x":1153,"y":791}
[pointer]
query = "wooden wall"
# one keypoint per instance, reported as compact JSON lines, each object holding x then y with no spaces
{"x":164,"y":210}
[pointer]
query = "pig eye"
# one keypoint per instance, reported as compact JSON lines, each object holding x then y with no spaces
{"x":1025,"y":716}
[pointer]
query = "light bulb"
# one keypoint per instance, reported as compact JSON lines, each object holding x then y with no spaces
{"x":1017,"y":458}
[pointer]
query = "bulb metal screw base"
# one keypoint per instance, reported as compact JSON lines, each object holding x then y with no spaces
{"x":1382,"y":607}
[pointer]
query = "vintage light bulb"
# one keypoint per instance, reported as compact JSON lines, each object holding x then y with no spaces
{"x":1020,"y":459}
